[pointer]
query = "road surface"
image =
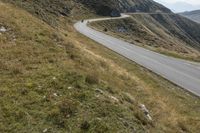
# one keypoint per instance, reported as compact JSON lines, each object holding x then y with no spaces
{"x":183,"y":73}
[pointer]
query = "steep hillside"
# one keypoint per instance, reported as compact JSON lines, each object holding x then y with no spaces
{"x":106,"y":6}
{"x":101,"y":7}
{"x":166,"y":33}
{"x":51,"y":10}
{"x":193,"y":15}
{"x":53,"y":79}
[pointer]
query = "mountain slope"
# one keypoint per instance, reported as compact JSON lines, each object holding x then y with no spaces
{"x":105,"y":6}
{"x":49,"y":10}
{"x":52,"y":79}
{"x":193,"y":15}
{"x":166,"y":33}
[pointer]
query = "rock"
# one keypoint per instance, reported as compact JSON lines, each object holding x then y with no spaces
{"x":145,"y":111}
{"x":69,"y":88}
{"x":3,"y":29}
{"x":114,"y":98}
{"x":54,"y":78}
{"x":45,"y":130}
{"x":97,"y":96}
{"x":55,"y":94}
{"x":149,"y":117}
{"x":99,"y":119}
{"x":98,"y":91}
{"x":121,"y":29}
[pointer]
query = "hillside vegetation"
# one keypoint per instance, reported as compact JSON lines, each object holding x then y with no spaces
{"x":170,"y":34}
{"x":53,"y":79}
{"x":193,"y":15}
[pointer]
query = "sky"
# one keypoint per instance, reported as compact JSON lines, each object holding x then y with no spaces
{"x":181,"y":5}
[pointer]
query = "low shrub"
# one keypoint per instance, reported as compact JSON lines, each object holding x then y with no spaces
{"x":92,"y":79}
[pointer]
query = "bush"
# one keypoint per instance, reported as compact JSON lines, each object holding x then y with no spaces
{"x":68,"y":108}
{"x":141,"y":118}
{"x":100,"y":126}
{"x":105,"y":29}
{"x":92,"y":79}
{"x":85,"y":125}
{"x":60,"y":114}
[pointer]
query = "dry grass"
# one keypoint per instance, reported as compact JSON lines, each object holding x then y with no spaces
{"x":60,"y":81}
{"x":171,"y":107}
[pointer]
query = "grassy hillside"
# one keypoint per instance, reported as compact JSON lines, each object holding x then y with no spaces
{"x":193,"y":15}
{"x":51,"y":10}
{"x":52,"y":79}
{"x":170,"y":34}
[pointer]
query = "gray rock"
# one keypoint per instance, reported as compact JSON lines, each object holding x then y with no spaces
{"x":45,"y":130}
{"x":121,"y":29}
{"x":99,"y":91}
{"x":145,"y":111}
{"x":3,"y":29}
{"x":114,"y":99}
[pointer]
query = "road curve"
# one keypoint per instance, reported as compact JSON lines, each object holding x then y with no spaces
{"x":183,"y":73}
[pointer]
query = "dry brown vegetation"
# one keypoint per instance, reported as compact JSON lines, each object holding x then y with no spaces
{"x":56,"y":80}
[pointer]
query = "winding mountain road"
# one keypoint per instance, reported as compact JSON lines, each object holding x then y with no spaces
{"x":183,"y":73}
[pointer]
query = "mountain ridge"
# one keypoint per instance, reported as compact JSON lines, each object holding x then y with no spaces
{"x":125,"y":5}
{"x":193,"y":15}
{"x":50,"y":9}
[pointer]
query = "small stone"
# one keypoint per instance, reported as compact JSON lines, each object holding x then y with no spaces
{"x":121,"y":29}
{"x":55,"y":94}
{"x":45,"y":130}
{"x":149,"y":117}
{"x":114,"y":98}
{"x":97,"y":96}
{"x":99,"y":91}
{"x":69,"y":87}
{"x":144,"y":109}
{"x":99,"y":119}
{"x":54,"y":78}
{"x":3,"y":29}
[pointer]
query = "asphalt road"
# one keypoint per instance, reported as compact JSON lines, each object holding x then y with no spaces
{"x":183,"y":73}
